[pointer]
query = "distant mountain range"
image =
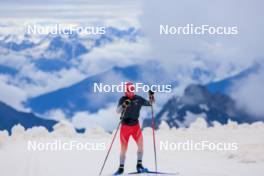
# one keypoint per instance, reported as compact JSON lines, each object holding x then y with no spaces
{"x":211,"y":101}
{"x":55,"y":52}
{"x":10,"y":117}
{"x":81,"y":96}
{"x":198,"y":101}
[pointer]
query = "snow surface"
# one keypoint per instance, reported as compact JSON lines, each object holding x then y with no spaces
{"x":16,"y":160}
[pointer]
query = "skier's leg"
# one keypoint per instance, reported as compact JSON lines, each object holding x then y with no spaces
{"x":124,"y":137}
{"x":139,"y":141}
{"x":123,"y":150}
{"x":138,"y":137}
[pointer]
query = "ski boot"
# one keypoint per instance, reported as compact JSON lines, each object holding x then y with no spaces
{"x":140,"y":168}
{"x":120,"y":170}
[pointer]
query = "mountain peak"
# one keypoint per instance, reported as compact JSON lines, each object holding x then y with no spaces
{"x":198,"y":101}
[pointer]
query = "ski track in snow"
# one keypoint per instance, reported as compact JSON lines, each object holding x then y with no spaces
{"x":16,"y":160}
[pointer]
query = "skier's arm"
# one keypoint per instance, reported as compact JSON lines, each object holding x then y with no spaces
{"x":151,"y":100}
{"x":145,"y":102}
{"x":119,"y":108}
{"x":122,"y":105}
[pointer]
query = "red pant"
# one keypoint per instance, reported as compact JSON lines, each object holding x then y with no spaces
{"x":127,"y":131}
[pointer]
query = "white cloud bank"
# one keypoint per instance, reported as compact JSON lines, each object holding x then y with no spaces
{"x":249,"y":95}
{"x":221,"y":55}
{"x":106,"y":118}
{"x":10,"y":94}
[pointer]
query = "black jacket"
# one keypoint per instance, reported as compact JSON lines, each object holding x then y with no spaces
{"x":133,"y":110}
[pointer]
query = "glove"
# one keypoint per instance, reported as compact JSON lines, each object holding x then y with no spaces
{"x":151,"y":96}
{"x":151,"y":92}
{"x":126,"y":103}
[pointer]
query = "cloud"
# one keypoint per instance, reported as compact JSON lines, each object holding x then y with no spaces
{"x":221,"y":55}
{"x":44,"y":82}
{"x":102,"y":98}
{"x":63,"y":1}
{"x":68,"y":10}
{"x":13,"y":60}
{"x":106,"y":118}
{"x":56,"y":114}
{"x":118,"y":53}
{"x":248,"y":93}
{"x":10,"y":94}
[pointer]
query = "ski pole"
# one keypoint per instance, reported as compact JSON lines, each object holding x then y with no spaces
{"x":108,"y":152}
{"x":154,"y":139}
{"x":152,"y":99}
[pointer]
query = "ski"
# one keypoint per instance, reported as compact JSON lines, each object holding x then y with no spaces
{"x":152,"y":172}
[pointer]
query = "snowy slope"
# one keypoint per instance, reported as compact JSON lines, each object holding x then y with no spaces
{"x":247,"y":160}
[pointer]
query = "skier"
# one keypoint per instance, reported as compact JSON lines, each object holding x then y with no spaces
{"x":130,"y":105}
